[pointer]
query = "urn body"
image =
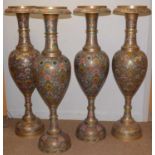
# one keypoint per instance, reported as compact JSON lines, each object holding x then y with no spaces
{"x":21,"y":68}
{"x":52,"y":72}
{"x":91,"y":68}
{"x":129,"y":67}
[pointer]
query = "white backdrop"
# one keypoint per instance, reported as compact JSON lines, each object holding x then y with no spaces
{"x":71,"y":38}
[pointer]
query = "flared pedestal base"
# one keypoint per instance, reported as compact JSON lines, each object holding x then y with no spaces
{"x":90,"y":133}
{"x":54,"y":143}
{"x":126,"y":131}
{"x":29,"y":127}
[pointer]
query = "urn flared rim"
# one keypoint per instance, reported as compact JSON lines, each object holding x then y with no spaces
{"x":19,"y":9}
{"x":90,"y":9}
{"x":141,"y":10}
{"x":58,"y":10}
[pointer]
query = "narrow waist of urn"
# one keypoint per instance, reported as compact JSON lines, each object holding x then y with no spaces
{"x":28,"y":107}
{"x":51,"y":45}
{"x":23,"y":25}
{"x":91,"y":119}
{"x":127,"y":117}
{"x":91,"y":38}
{"x":54,"y":127}
{"x":131,"y":30}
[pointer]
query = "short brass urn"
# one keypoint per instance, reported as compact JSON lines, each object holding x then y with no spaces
{"x":20,"y":66}
{"x":91,"y":69}
{"x":129,"y":67}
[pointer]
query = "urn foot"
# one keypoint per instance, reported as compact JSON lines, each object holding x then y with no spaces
{"x":54,"y":143}
{"x":126,"y":131}
{"x":90,"y":133}
{"x":29,"y":127}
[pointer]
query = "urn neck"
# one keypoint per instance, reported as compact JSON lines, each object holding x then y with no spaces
{"x":54,"y":126}
{"x":131,"y":30}
{"x":23,"y":28}
{"x":28,"y":108}
{"x":127,"y":117}
{"x":91,"y":33}
{"x":91,"y":119}
{"x":51,"y":45}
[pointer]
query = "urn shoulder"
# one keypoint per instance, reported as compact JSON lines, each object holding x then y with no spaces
{"x":92,"y":58}
{"x":19,"y":53}
{"x":125,"y":56}
{"x":53,"y":61}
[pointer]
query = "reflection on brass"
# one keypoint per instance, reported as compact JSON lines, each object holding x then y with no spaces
{"x":52,"y":75}
{"x":20,"y":66}
{"x":129,"y":68}
{"x":91,"y":69}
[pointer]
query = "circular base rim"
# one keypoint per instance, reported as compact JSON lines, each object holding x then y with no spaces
{"x":46,"y":148}
{"x":19,"y":131}
{"x":81,"y":135}
{"x":116,"y":132}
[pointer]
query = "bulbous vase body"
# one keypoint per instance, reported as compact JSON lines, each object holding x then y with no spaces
{"x":20,"y":66}
{"x":129,"y":69}
{"x":91,"y":70}
{"x":52,"y":76}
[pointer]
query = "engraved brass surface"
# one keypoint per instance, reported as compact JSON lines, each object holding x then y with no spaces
{"x":91,"y":69}
{"x":20,"y":66}
{"x":52,"y":75}
{"x":129,"y":67}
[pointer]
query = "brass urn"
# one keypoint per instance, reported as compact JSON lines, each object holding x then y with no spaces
{"x":52,"y":75}
{"x":20,"y":66}
{"x":91,"y":69}
{"x":129,"y":67}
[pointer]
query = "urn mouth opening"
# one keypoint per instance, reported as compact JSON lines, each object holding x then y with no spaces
{"x":92,"y":6}
{"x":51,"y":7}
{"x":132,"y":6}
{"x":19,"y":9}
{"x":141,"y":10}
{"x":58,"y":10}
{"x":99,"y":9}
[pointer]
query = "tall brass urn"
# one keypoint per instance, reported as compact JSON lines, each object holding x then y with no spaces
{"x":91,"y":69}
{"x":20,"y":66}
{"x":52,"y":75}
{"x":129,"y":67}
